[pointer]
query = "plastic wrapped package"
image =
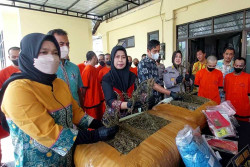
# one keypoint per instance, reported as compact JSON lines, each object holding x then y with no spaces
{"x":225,"y":107}
{"x":224,"y":145}
{"x":196,"y":116}
{"x":194,"y":149}
{"x":220,"y":124}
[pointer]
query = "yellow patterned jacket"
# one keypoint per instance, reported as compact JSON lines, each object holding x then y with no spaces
{"x":41,"y":122}
{"x":198,"y":66}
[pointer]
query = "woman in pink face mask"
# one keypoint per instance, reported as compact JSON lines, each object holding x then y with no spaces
{"x":41,"y":111}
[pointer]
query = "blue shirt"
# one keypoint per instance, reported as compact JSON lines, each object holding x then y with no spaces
{"x":225,"y":69}
{"x":147,"y":69}
{"x":70,"y":73}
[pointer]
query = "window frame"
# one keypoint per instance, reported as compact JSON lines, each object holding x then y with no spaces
{"x":126,"y":41}
{"x":152,"y":32}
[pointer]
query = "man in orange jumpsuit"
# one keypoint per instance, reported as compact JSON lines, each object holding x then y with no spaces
{"x":106,"y":68}
{"x":132,"y":69}
{"x":8,"y":71}
{"x":93,"y":98}
{"x":237,"y":89}
{"x":209,"y":80}
{"x":81,"y":67}
{"x":101,"y":62}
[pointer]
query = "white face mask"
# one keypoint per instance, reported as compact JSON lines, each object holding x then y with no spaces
{"x":155,"y":56}
{"x":64,"y":52}
{"x":47,"y":64}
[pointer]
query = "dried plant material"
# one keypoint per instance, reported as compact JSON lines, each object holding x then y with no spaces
{"x":135,"y":130}
{"x":143,"y":92}
{"x":191,"y":102}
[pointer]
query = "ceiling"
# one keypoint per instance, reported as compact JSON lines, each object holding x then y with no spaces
{"x":98,"y":10}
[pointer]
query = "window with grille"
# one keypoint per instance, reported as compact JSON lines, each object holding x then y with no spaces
{"x":128,"y":42}
{"x":153,"y":35}
{"x":2,"y":52}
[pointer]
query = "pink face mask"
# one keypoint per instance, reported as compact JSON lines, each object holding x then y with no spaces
{"x":47,"y":64}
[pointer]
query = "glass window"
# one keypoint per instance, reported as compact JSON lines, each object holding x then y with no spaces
{"x":182,"y":46}
{"x":127,"y":42}
{"x":200,"y":28}
{"x":153,"y":35}
{"x":228,"y":23}
{"x":182,"y":31}
{"x":248,"y":19}
{"x":2,"y":52}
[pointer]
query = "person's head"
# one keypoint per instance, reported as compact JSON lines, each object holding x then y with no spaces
{"x":130,"y":60}
{"x":143,"y":56}
{"x":177,"y":58}
{"x":63,"y":41}
{"x":228,"y":54}
{"x":239,"y":65}
{"x":153,"y":49}
{"x":91,"y":58}
{"x":108,"y":59}
{"x":39,"y":57}
{"x":119,"y":58}
{"x":101,"y":57}
{"x":14,"y":54}
{"x":136,"y":62}
{"x":201,"y":55}
{"x":211,"y":63}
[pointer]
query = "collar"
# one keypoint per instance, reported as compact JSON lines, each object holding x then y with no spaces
{"x":65,"y":62}
{"x":231,"y":63}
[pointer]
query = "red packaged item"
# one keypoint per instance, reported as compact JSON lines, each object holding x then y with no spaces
{"x":217,"y":119}
{"x":228,"y":146}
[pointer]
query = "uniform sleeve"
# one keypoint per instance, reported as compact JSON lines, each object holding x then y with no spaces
{"x":220,"y":79}
{"x":167,"y":80}
{"x":80,"y":84}
{"x":34,"y":120}
{"x":197,"y":78}
{"x":85,"y":77}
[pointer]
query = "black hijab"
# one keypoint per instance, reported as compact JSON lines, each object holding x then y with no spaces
{"x":30,"y":47}
{"x":121,"y":79}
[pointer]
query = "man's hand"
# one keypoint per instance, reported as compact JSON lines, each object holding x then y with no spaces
{"x":175,"y":96}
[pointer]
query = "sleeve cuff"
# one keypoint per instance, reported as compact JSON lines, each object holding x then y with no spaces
{"x":85,"y":122}
{"x":64,"y":141}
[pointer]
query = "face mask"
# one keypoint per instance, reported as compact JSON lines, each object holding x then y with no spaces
{"x":108,"y":62}
{"x":64,"y":52}
{"x":130,"y":64}
{"x":238,"y":70}
{"x":136,"y":64}
{"x":210,"y":69}
{"x":47,"y":64}
{"x":155,"y":56}
{"x":102,"y":63}
{"x":15,"y":62}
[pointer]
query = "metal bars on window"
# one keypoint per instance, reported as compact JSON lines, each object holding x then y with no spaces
{"x":219,"y":24}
